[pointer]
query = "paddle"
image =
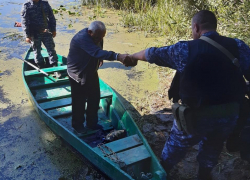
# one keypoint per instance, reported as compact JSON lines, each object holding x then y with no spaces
{"x":32,"y":65}
{"x":46,"y":74}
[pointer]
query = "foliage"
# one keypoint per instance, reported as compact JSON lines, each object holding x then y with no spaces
{"x":172,"y":18}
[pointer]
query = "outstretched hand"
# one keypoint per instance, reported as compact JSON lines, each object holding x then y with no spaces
{"x":121,"y":57}
{"x":130,"y":61}
{"x":127,"y":60}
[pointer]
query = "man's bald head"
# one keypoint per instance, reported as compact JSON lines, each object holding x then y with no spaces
{"x":202,"y":22}
{"x":206,"y":20}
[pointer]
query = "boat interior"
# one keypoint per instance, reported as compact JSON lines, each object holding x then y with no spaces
{"x":53,"y":97}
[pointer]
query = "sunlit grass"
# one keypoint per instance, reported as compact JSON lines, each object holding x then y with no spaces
{"x":172,"y":18}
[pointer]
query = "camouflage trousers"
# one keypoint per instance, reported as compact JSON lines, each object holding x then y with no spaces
{"x":47,"y":40}
{"x":210,"y":134}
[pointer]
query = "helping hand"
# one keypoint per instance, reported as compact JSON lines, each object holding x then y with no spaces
{"x":121,"y":57}
{"x":130,"y":61}
{"x":127,"y":60}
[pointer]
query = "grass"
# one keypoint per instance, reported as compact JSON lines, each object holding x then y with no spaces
{"x":172,"y":18}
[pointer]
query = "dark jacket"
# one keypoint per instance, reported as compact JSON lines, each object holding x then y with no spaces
{"x":84,"y":56}
{"x":210,"y":77}
{"x":37,"y":17}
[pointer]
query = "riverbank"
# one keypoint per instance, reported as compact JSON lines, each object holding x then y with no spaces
{"x":29,"y":150}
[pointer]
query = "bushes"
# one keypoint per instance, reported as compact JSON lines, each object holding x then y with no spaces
{"x":172,"y":18}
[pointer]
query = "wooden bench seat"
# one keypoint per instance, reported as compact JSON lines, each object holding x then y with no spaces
{"x":65,"y":101}
{"x":135,"y":155}
{"x":47,"y":70}
{"x":122,"y":144}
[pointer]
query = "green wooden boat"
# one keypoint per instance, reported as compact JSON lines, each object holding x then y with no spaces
{"x":129,"y":157}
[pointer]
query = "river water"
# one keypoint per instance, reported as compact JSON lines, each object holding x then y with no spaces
{"x":28,"y":149}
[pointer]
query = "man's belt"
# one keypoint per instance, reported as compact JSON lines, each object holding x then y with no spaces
{"x":186,"y":117}
{"x":44,"y":31}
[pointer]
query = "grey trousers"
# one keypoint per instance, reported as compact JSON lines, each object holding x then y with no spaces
{"x":47,"y":40}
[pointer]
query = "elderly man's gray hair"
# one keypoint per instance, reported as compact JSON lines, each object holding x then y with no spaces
{"x":97,"y":25}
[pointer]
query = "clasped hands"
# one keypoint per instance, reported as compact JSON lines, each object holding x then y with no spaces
{"x":127,"y":60}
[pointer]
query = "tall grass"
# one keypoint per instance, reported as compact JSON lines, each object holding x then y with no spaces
{"x":172,"y":18}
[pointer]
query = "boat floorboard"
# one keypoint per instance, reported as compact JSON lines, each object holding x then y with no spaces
{"x":122,"y":144}
{"x":47,"y":70}
{"x":59,"y":103}
{"x":62,"y":111}
{"x":59,"y":92}
{"x":134,"y":155}
{"x":102,"y":120}
{"x":40,"y":82}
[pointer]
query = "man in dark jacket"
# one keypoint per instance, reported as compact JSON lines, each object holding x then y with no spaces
{"x":85,"y":56}
{"x":208,"y":79}
{"x":39,"y":26}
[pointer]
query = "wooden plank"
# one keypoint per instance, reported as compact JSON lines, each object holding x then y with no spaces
{"x":52,"y":93}
{"x":39,"y":82}
{"x":59,"y":92}
{"x":56,"y":103}
{"x":48,"y":70}
{"x":64,"y":111}
{"x":134,"y":155}
{"x":30,"y":54}
{"x":122,"y":144}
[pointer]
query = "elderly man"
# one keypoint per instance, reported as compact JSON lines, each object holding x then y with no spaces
{"x":211,"y":85}
{"x":85,"y":56}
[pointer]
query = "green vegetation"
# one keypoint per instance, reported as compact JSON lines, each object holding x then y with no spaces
{"x":171,"y":18}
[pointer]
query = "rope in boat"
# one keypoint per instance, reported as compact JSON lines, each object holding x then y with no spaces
{"x":108,"y":152}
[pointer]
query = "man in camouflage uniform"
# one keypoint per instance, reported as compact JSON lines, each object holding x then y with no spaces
{"x":39,"y":25}
{"x":208,"y":79}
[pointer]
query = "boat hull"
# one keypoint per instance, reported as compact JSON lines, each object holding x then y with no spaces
{"x":52,"y":101}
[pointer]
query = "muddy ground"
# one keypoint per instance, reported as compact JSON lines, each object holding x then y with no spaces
{"x":29,"y":150}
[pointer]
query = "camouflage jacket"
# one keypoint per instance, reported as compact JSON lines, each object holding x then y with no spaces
{"x":36,"y":17}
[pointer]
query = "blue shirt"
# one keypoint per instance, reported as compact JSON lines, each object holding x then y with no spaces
{"x":37,"y":17}
{"x":176,"y":56}
{"x":84,"y":55}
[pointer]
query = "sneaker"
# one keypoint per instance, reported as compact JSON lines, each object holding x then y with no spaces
{"x":96,"y":127}
{"x":80,"y":129}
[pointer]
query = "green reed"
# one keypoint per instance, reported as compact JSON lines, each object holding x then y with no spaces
{"x":172,"y":18}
